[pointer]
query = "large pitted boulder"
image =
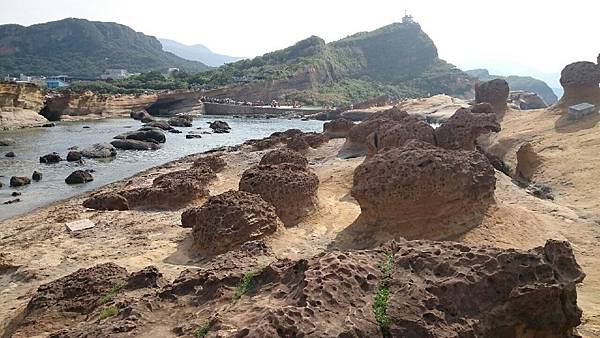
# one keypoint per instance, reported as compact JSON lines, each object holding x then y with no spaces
{"x":172,"y":190}
{"x":282,"y":137}
{"x":220,"y":127}
{"x":129,"y":144}
{"x":147,"y":134}
{"x":298,"y":143}
{"x":107,"y":201}
{"x":580,"y":81}
{"x":395,"y":134}
{"x":337,"y":128}
{"x":423,"y":191}
{"x":357,"y":140}
{"x":215,"y":162}
{"x":463,"y":128}
{"x":314,"y":139}
{"x":228,"y":220}
{"x":290,"y":188}
{"x":181,"y":121}
{"x":99,"y":150}
{"x":494,"y":92}
{"x":284,"y":155}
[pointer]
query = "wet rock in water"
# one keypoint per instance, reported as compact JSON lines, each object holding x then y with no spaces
{"x":357,"y":143}
{"x":36,"y":176}
{"x":15,"y":194}
{"x":164,"y":125}
{"x":337,"y":128}
{"x":7,"y":142}
{"x":395,"y":134}
{"x":78,"y":177}
{"x":292,"y":189}
{"x":215,"y":162}
{"x":175,"y":131}
{"x":220,"y":127}
{"x":50,"y":158}
{"x":423,"y":191}
{"x":86,"y":127}
{"x":192,"y":136}
{"x":19,"y":181}
{"x":73,"y":156}
{"x":48,"y":125}
{"x":494,"y":92}
{"x":172,"y":190}
{"x":228,"y":220}
{"x":107,"y":201}
{"x":148,"y":277}
{"x":99,"y":150}
{"x":10,"y":154}
{"x":142,"y":115}
{"x":284,"y":155}
{"x":16,"y":200}
{"x":148,"y":135}
{"x":181,"y":121}
{"x":463,"y":128}
{"x":128,"y":144}
{"x":1,"y":184}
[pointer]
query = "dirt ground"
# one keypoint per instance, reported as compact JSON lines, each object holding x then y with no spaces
{"x":36,"y":248}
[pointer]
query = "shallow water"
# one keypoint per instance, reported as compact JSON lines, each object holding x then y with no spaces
{"x":33,"y":143}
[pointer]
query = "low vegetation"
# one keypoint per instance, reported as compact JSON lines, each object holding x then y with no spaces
{"x":108,"y":312}
{"x":245,"y":285}
{"x":110,"y":296}
{"x":383,"y":293}
{"x":202,"y":331}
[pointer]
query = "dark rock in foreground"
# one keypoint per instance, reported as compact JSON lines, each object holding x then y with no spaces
{"x":50,"y":158}
{"x":17,"y":181}
{"x":78,"y":177}
{"x":73,"y":156}
{"x":10,"y":154}
{"x":220,"y":127}
{"x":36,"y":176}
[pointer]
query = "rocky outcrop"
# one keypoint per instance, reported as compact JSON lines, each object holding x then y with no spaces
{"x":395,"y":134}
{"x":99,"y":150}
{"x":423,"y":191}
{"x":494,"y":92}
{"x":337,"y":128}
{"x":228,"y":220}
{"x":298,"y":143}
{"x":142,"y":116}
{"x":50,"y":158}
{"x":145,"y":134}
{"x":299,"y":140}
{"x":220,"y":127}
{"x":74,"y":156}
{"x":215,"y":162}
{"x":107,"y":201}
{"x":181,"y":121}
{"x":176,"y":102}
{"x":464,"y":127}
{"x":528,"y":162}
{"x":403,"y":289}
{"x":284,"y":155}
{"x":526,"y":100}
{"x":580,"y":81}
{"x":290,"y":188}
{"x":78,"y":177}
{"x":20,"y":104}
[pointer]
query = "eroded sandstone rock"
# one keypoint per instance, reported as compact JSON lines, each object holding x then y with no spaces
{"x":580,"y":81}
{"x":494,"y":92}
{"x":423,"y":191}
{"x":464,"y":127}
{"x":395,"y":134}
{"x":228,"y":220}
{"x":298,"y":143}
{"x":107,"y":201}
{"x":290,"y":188}
{"x":284,"y":155}
{"x":337,"y":128}
{"x":528,"y":162}
{"x":215,"y":162}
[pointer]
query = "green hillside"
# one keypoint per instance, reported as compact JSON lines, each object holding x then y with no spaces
{"x":78,"y":47}
{"x":515,"y":82}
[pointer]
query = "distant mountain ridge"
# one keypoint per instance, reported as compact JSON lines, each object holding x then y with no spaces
{"x":79,"y":47}
{"x":197,"y":52}
{"x":397,"y":60}
{"x":515,"y":82}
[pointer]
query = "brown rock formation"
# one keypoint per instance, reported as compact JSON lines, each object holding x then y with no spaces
{"x":284,"y":155}
{"x":356,"y":142}
{"x":215,"y":162}
{"x":298,"y":143}
{"x":315,"y":140}
{"x":337,"y":128}
{"x":494,"y":92}
{"x":422,"y":191}
{"x":290,"y":188}
{"x":107,"y":201}
{"x":228,"y":220}
{"x":464,"y":127}
{"x":298,"y":139}
{"x":435,"y":289}
{"x":20,"y":105}
{"x":528,"y":162}
{"x":580,"y":81}
{"x":395,"y":134}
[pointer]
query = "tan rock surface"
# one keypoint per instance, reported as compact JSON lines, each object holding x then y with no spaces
{"x":20,"y":105}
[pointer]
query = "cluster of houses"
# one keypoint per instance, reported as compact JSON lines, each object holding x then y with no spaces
{"x":61,"y":81}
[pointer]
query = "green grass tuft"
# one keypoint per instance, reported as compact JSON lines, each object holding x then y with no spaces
{"x":108,"y":312}
{"x":110,"y":295}
{"x":380,"y":303}
{"x":244,"y":286}
{"x":202,"y":331}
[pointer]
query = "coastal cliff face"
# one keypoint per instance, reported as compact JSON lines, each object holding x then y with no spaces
{"x":19,"y":105}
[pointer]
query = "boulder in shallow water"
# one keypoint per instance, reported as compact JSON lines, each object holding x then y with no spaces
{"x":36,"y":176}
{"x":147,"y":134}
{"x":78,"y":177}
{"x":192,"y":136}
{"x":18,"y":181}
{"x":50,"y":158}
{"x":134,"y":145}
{"x":181,"y":121}
{"x":7,"y":142}
{"x":164,"y":125}
{"x":220,"y":127}
{"x":73,"y":156}
{"x":10,"y":154}
{"x":99,"y":150}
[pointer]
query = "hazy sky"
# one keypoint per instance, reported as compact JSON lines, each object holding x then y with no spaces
{"x":540,"y":35}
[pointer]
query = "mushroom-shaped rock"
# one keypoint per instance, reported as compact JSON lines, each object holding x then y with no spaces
{"x":423,"y":191}
{"x":528,"y":162}
{"x":395,"y":134}
{"x":107,"y":201}
{"x":290,"y":188}
{"x":78,"y":177}
{"x":463,"y":128}
{"x":50,"y":158}
{"x":494,"y":92}
{"x":99,"y":150}
{"x":357,"y":140}
{"x":284,"y":155}
{"x":580,"y":81}
{"x":181,"y":121}
{"x":337,"y":128}
{"x":228,"y":220}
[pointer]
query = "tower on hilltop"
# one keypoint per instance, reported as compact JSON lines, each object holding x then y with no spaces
{"x":407,"y":18}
